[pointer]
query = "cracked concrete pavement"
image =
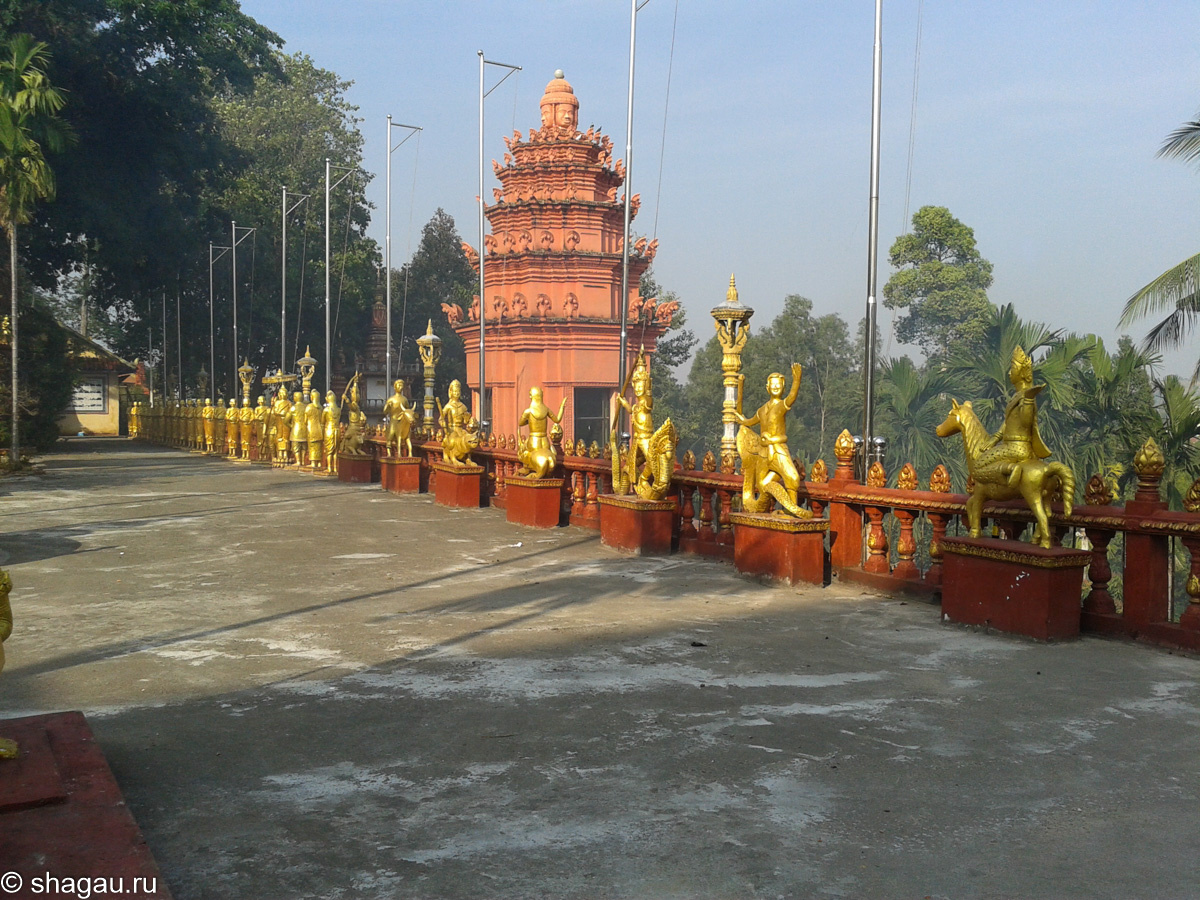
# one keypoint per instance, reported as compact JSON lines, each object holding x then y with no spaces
{"x":312,"y":689}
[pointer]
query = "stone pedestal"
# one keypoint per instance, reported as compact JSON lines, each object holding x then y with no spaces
{"x":458,"y":485}
{"x":400,"y":474}
{"x":636,"y":525}
{"x":62,"y":813}
{"x":1012,"y":586}
{"x":355,"y":469}
{"x":781,"y":547}
{"x":534,"y":501}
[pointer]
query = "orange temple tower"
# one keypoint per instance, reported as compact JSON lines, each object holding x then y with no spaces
{"x":552,"y":276}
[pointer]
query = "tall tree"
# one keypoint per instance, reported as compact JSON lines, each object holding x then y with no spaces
{"x":912,"y":401}
{"x":29,"y":127}
{"x":437,"y":273}
{"x":942,"y":282}
{"x":1178,"y":288}
{"x":281,"y":131}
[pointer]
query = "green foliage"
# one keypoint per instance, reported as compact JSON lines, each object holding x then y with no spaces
{"x":47,"y":379}
{"x":1176,"y":290}
{"x":437,"y":273}
{"x":138,"y":77}
{"x":674,"y":349}
{"x":942,"y":282}
{"x":280,"y":131}
{"x":910,"y":403}
{"x":1179,"y":410}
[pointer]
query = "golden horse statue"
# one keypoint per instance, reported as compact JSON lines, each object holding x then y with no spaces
{"x":1007,"y":469}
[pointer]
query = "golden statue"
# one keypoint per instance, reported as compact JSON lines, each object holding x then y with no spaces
{"x":768,"y":472}
{"x":460,"y":427}
{"x":262,"y":417}
{"x":246,"y":414}
{"x":647,"y":464}
{"x":1009,"y":464}
{"x":219,"y":427}
{"x":356,"y":421}
{"x":233,"y":428}
{"x":331,"y":418}
{"x":281,"y":412}
{"x":208,"y":415}
{"x":400,"y":415}
{"x":312,"y":425}
{"x":537,"y":454}
{"x":298,"y":428}
{"x":8,"y":748}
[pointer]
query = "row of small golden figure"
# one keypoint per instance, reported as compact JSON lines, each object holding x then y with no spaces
{"x":300,"y":432}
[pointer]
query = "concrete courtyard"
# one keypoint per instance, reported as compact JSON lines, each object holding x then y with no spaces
{"x":315,"y":690}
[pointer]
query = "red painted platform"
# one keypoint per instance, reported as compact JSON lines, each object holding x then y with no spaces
{"x":636,"y":525}
{"x":62,"y":817}
{"x":400,"y":474}
{"x":780,"y":547}
{"x":1012,"y":586}
{"x":534,"y":501}
{"x":458,"y":485}
{"x":355,"y":469}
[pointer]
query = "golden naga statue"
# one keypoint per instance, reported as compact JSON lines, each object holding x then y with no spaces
{"x":461,"y":428}
{"x":536,"y":455}
{"x":768,"y":472}
{"x":8,"y":748}
{"x":400,"y":415}
{"x":647,"y":464}
{"x":1010,"y":463}
{"x":356,"y":421}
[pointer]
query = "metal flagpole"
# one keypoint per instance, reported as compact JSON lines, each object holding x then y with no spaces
{"x":483,"y":250}
{"x":624,"y":351}
{"x":873,"y":243}
{"x":283,"y":287}
{"x":327,"y":355}
{"x":233,"y":246}
{"x":387,"y":244}
{"x":387,"y":262}
{"x":212,"y":344}
{"x":329,"y":190}
{"x":179,"y":341}
{"x":166,"y":379}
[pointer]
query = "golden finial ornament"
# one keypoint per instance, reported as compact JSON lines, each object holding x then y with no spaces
{"x":689,"y":461}
{"x":843,"y":450}
{"x":1149,"y":462}
{"x":769,"y":475}
{"x":819,"y":473}
{"x":1097,"y":492}
{"x":731,"y":295}
{"x":1011,"y":463}
{"x":1191,"y":500}
{"x":939,"y":480}
{"x":876,"y":476}
{"x":907,"y":479}
{"x":709,"y":463}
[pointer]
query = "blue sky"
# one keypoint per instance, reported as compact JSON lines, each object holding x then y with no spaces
{"x":1036,"y":124}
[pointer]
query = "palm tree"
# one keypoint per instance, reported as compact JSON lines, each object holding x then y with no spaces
{"x":911,"y":403}
{"x":1178,"y":288}
{"x":29,"y":126}
{"x":1179,"y":407}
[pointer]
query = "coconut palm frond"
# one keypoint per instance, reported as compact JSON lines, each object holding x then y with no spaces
{"x":1177,"y":290}
{"x":1183,"y":143}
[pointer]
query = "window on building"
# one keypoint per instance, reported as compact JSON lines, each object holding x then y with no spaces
{"x":591,"y":415}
